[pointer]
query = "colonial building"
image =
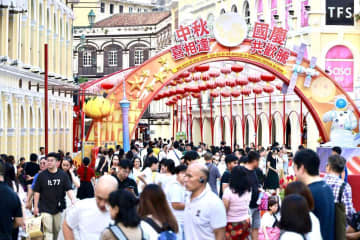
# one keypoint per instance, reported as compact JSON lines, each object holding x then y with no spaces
{"x":336,"y":47}
{"x":25,"y":28}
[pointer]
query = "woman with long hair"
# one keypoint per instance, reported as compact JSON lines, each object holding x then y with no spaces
{"x":155,"y":210}
{"x":295,"y":219}
{"x":236,"y":199}
{"x":114,"y":165}
{"x":68,"y":167}
{"x":272,"y":177}
{"x":127,"y":221}
{"x":87,"y":180}
{"x":303,"y":190}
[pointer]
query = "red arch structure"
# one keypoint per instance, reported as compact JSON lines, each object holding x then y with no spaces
{"x":145,"y":81}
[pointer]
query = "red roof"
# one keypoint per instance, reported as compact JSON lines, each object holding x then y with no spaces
{"x":133,"y":19}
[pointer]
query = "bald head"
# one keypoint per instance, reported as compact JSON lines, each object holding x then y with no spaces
{"x":105,"y":185}
{"x":197,"y":176}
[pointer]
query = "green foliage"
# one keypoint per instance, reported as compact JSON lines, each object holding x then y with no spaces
{"x":83,"y":79}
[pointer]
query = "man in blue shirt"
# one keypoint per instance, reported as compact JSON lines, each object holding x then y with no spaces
{"x":306,"y":167}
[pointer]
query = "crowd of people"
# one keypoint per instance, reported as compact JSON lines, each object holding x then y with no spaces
{"x":167,"y":189}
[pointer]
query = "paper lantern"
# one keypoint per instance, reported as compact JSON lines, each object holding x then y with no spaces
{"x":225,"y":94}
{"x":187,"y":88}
{"x":235,"y":93}
{"x":196,"y":95}
{"x":202,"y":68}
{"x":225,"y":70}
{"x":205,"y":77}
{"x":268,"y":89}
{"x":202,"y":87}
{"x":230,"y":83}
{"x":267,"y":77}
{"x":237,"y":68}
{"x":241,"y":81}
{"x":220,"y":83}
{"x":107,"y":85}
{"x":211,"y":85}
{"x":188,"y":79}
{"x":184,"y":74}
{"x":214,"y":74}
{"x":279,"y":87}
{"x":214,"y":94}
{"x":173,"y":83}
{"x":191,"y":70}
{"x":257,"y":90}
{"x":197,"y":76}
{"x":98,"y":108}
{"x":246,"y":91}
{"x":254,"y":79}
{"x":180,"y":90}
{"x":172,"y":92}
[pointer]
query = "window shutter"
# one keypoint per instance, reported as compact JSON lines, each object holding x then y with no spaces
{"x":119,"y":57}
{"x":80,"y":59}
{"x":106,"y":58}
{"x":146,"y":54}
{"x":131,"y":57}
{"x":93,"y":58}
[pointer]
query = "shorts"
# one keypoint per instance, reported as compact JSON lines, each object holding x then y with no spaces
{"x":238,"y":231}
{"x":255,"y":218}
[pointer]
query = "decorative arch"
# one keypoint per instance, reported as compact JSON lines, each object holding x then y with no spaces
{"x":277,"y":127}
{"x":146,"y":80}
{"x":88,"y":44}
{"x":263,"y":122}
{"x":137,"y":42}
{"x":111,"y":42}
{"x":234,"y":8}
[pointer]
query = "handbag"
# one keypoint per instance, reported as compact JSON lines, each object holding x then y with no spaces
{"x":33,"y":227}
{"x":340,"y":216}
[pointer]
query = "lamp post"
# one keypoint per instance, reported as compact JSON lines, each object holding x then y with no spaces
{"x":91,"y":18}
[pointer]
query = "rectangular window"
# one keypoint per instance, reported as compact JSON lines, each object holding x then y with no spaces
{"x":111,"y":8}
{"x":87,"y":59}
{"x":112,"y":58}
{"x":121,"y":9}
{"x":130,"y":9}
{"x":102,"y":8}
{"x":139,"y":10}
{"x":139,"y":56}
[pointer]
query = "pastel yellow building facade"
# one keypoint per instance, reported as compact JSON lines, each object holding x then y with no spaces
{"x":22,"y":39}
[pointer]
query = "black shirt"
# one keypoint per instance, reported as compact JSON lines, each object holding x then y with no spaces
{"x":31,"y":168}
{"x":254,"y":182}
{"x":10,"y":208}
{"x":224,"y":179}
{"x":52,"y":188}
{"x":128,"y":183}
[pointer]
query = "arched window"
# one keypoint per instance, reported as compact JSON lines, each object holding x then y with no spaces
{"x":234,"y":8}
{"x":222,"y":11}
{"x":274,"y":13}
{"x":246,"y":12}
{"x":288,"y":6}
{"x":340,"y":65}
{"x":259,"y":10}
{"x":87,"y":60}
{"x":304,"y":13}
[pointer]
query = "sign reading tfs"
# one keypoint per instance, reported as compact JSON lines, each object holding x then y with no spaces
{"x":339,"y":12}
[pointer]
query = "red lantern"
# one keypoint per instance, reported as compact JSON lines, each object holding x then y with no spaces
{"x":187,"y":88}
{"x":106,"y":85}
{"x":235,"y":93}
{"x":156,"y":98}
{"x":203,"y":87}
{"x":214,"y":94}
{"x":173,"y":83}
{"x":194,"y":89}
{"x":197,"y":76}
{"x":205,"y":77}
{"x":257,"y":90}
{"x":241,"y":81}
{"x":225,"y":70}
{"x":172,"y":92}
{"x":246,"y":91}
{"x":230,"y":83}
{"x":237,"y":68}
{"x":191,"y":70}
{"x":267,"y":77}
{"x":202,"y":68}
{"x":214,"y":74}
{"x":279,"y":87}
{"x":178,"y":97}
{"x":220,"y":83}
{"x":211,"y":85}
{"x":254,"y":79}
{"x":225,"y":94}
{"x":196,"y":95}
{"x":189,"y":79}
{"x":268,"y":89}
{"x":180,"y":91}
{"x":184,"y":74}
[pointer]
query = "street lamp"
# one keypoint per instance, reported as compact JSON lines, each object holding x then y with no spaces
{"x":91,"y":17}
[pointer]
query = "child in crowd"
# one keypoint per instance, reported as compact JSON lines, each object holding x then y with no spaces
{"x":269,"y":229}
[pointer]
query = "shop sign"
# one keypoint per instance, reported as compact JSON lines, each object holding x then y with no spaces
{"x":339,"y":12}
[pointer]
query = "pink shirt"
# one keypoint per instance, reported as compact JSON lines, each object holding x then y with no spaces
{"x":238,"y":206}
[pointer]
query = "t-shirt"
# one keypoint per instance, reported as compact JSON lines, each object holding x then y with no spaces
{"x":128,"y":183}
{"x":224,"y":179}
{"x":214,"y":174}
{"x":90,"y":173}
{"x":175,"y":192}
{"x":238,"y":205}
{"x":268,"y":220}
{"x":31,"y":168}
{"x":324,"y":208}
{"x":291,"y":236}
{"x":254,"y":183}
{"x":10,"y":207}
{"x":203,"y":215}
{"x":52,"y":188}
{"x":88,"y":219}
{"x":164,"y":180}
{"x":315,"y":233}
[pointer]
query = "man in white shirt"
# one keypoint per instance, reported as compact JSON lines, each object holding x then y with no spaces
{"x":205,"y":214}
{"x":90,"y":216}
{"x":174,"y":154}
{"x":175,"y":194}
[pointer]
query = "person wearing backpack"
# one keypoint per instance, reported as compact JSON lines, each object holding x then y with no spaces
{"x":127,"y":222}
{"x":295,"y":219}
{"x":344,"y":208}
{"x":155,"y":212}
